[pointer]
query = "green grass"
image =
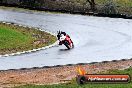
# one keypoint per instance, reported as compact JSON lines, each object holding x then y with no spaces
{"x":120,"y":6}
{"x":127,"y":3}
{"x":11,"y":38}
{"x":73,"y":84}
{"x":15,"y":38}
{"x":81,"y":86}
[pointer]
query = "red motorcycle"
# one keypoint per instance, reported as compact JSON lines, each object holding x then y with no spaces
{"x":65,"y":39}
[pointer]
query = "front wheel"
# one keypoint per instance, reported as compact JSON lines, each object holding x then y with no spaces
{"x":66,"y":43}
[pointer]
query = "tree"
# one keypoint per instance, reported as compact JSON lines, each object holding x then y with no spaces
{"x":27,"y":3}
{"x":1,"y":1}
{"x":92,"y":4}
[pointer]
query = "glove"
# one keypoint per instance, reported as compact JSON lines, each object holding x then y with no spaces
{"x":60,"y":43}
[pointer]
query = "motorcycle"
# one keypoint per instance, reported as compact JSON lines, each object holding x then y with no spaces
{"x":65,"y":39}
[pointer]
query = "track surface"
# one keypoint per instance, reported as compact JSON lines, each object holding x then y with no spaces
{"x":96,"y":39}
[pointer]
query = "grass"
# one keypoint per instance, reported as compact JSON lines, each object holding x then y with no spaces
{"x":127,"y":3}
{"x":73,"y":83}
{"x":15,"y":38}
{"x":119,"y":6}
{"x":23,"y":9}
{"x":122,"y":3}
{"x":10,"y":38}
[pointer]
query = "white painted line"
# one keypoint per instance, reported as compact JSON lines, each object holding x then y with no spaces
{"x":20,"y":25}
{"x":3,"y":22}
{"x":8,"y":23}
{"x":33,"y":50}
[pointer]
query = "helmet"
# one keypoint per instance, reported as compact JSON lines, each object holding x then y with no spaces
{"x":64,"y":33}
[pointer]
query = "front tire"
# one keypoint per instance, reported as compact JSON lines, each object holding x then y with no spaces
{"x":66,"y":43}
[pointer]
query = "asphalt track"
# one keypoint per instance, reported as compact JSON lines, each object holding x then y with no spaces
{"x":96,"y":39}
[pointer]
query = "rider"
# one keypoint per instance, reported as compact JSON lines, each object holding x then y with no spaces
{"x":64,"y":36}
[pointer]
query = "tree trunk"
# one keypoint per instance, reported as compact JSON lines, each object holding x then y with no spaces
{"x":92,"y":4}
{"x":1,"y":1}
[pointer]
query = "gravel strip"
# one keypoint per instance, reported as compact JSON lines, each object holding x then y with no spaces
{"x":57,"y":74}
